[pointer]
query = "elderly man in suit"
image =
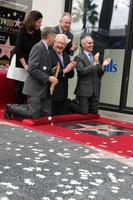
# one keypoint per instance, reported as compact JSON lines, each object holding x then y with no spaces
{"x":89,"y":73}
{"x":64,"y":27}
{"x":57,"y":54}
{"x":37,"y":84}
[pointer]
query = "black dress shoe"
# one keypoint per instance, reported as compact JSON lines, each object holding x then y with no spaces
{"x":8,"y":113}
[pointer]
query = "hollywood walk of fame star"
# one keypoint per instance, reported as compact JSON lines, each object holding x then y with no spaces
{"x":6,"y":48}
{"x":100,"y":129}
{"x":17,"y":22}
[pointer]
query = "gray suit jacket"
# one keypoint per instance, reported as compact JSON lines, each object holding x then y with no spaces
{"x":37,"y":83}
{"x":89,"y":77}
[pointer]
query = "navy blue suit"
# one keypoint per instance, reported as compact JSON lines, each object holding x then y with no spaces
{"x":60,"y":95}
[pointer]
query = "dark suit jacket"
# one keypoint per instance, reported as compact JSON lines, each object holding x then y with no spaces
{"x":61,"y":89}
{"x":24,"y":44}
{"x":39,"y":69}
{"x":89,"y":77}
{"x":70,"y":36}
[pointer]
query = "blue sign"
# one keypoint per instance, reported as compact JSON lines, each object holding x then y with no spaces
{"x":111,"y":67}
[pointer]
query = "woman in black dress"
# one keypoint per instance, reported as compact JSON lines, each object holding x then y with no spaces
{"x":29,"y":34}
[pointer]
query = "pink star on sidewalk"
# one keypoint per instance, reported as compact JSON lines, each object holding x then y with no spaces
{"x":100,"y":129}
{"x":6,"y":48}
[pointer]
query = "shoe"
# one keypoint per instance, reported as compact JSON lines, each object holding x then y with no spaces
{"x":8,"y":113}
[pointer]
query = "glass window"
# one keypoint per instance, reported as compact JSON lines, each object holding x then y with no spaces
{"x":107,"y":24}
{"x":111,"y":81}
{"x":115,"y":49}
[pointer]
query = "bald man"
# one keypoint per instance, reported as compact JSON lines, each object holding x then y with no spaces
{"x":57,"y":54}
{"x":64,"y":27}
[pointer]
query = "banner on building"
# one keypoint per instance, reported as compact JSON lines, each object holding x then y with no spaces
{"x":10,"y":20}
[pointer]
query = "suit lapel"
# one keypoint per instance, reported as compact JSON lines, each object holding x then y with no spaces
{"x":85,"y":59}
{"x":57,"y":29}
{"x":46,"y":53}
{"x":66,"y":59}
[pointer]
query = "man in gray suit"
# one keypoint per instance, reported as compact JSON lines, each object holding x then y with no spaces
{"x":37,"y":84}
{"x":64,"y":27}
{"x":89,"y":73}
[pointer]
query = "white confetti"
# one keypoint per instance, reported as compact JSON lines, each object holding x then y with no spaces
{"x":9,"y":193}
{"x":112,"y":177}
{"x":9,"y":185}
{"x":4,"y":198}
{"x":53,"y":191}
{"x":74,"y":182}
{"x":18,"y":164}
{"x":6,"y":167}
{"x":77,"y":192}
{"x":110,"y":167}
{"x":59,"y":198}
{"x":28,"y":181}
{"x":45,"y":198}
{"x":40,"y":176}
{"x":29,"y":169}
{"x":27,"y":158}
{"x":57,"y":173}
{"x":64,"y":179}
{"x":91,"y":197}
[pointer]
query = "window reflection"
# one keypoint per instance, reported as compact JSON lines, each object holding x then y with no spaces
{"x":103,"y":19}
{"x":107,"y":22}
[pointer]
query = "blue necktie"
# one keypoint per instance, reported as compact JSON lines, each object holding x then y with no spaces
{"x":61,"y":59}
{"x":91,"y":58}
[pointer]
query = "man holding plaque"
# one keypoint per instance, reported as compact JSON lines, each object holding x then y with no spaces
{"x":58,"y":55}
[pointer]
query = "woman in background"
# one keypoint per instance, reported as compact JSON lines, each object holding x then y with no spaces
{"x":29,"y":34}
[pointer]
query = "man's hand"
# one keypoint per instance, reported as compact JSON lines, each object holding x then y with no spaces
{"x":106,"y":61}
{"x":96,"y":59}
{"x":74,"y":47}
{"x":70,"y":66}
{"x":53,"y":80}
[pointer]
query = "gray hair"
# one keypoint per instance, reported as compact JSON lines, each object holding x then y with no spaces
{"x":83,"y":39}
{"x":46,"y":32}
{"x":60,"y":36}
{"x":65,"y":14}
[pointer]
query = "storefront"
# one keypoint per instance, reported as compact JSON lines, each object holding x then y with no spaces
{"x":110,"y":24}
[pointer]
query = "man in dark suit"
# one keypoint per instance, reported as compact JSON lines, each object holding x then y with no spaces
{"x":37,"y":84}
{"x":57,"y":54}
{"x":64,"y":27}
{"x":89,"y":73}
